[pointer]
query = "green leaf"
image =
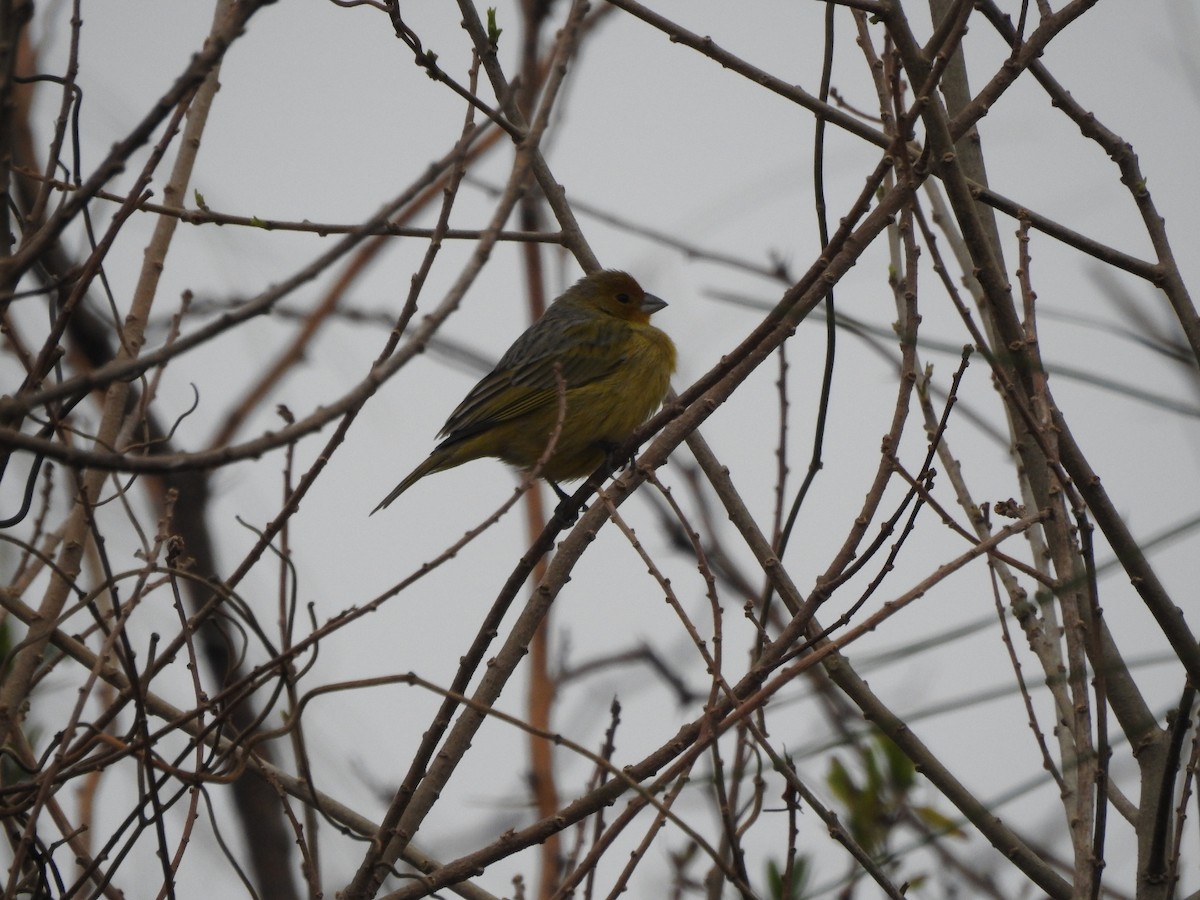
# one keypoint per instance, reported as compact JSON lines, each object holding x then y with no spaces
{"x":774,"y":879}
{"x":493,"y":33}
{"x":901,"y":769}
{"x":841,"y":782}
{"x":777,"y":890}
{"x":939,"y":822}
{"x":871,"y":767}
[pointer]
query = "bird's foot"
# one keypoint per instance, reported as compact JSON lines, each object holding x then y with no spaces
{"x":615,"y":459}
{"x":564,"y":512}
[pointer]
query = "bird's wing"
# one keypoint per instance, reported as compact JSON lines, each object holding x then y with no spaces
{"x":585,"y":351}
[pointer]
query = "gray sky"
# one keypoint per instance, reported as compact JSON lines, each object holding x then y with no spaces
{"x":323,"y":116}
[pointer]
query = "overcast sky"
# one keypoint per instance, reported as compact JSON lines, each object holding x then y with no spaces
{"x":323,"y":116}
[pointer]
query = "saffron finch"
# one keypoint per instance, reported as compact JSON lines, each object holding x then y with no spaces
{"x":595,"y":350}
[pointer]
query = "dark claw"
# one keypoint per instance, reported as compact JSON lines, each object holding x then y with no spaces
{"x":615,"y":462}
{"x":563,"y":512}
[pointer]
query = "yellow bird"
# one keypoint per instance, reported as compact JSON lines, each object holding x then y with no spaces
{"x":615,"y":367}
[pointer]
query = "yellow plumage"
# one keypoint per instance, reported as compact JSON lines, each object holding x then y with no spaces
{"x":616,"y":367}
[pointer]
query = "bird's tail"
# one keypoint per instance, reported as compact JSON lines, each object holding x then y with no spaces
{"x":435,"y":462}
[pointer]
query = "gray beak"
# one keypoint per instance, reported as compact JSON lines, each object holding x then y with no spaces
{"x":652,"y":304}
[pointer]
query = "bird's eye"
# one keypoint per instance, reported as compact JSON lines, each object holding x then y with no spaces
{"x":623,"y":298}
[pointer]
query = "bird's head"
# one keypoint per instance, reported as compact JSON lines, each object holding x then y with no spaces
{"x":615,"y":294}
